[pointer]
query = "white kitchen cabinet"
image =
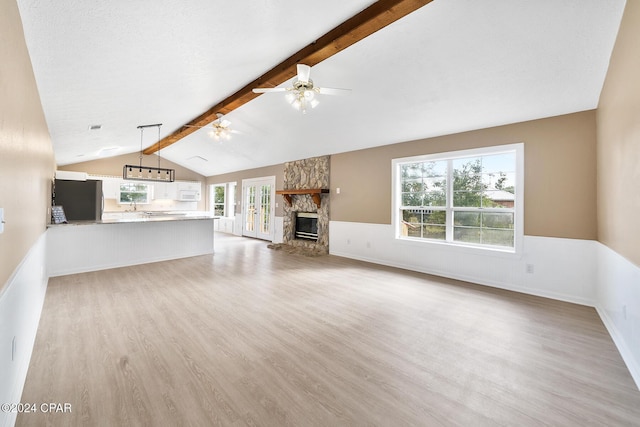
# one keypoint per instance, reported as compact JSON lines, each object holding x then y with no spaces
{"x":165,"y":190}
{"x":110,"y":187}
{"x":188,"y":186}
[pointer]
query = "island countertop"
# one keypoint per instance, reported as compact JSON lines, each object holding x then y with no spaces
{"x":131,"y":217}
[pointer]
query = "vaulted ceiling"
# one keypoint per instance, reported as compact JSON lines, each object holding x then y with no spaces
{"x":450,"y":66}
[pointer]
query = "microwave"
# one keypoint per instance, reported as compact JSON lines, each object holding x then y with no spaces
{"x":189,"y":195}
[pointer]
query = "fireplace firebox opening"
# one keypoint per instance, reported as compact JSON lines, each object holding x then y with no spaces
{"x":306,"y":226}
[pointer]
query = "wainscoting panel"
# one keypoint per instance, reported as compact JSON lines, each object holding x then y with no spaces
{"x":237,"y":225}
{"x":20,"y":308}
{"x":618,"y":303}
{"x":562,"y":269}
{"x":90,"y":247}
{"x":224,"y":225}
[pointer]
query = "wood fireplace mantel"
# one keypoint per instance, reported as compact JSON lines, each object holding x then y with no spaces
{"x":313,"y":192}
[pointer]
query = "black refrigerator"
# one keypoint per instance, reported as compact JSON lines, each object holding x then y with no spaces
{"x":81,"y":200}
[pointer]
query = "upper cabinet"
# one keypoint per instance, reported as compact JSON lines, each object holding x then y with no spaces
{"x":165,"y":190}
{"x":110,"y":187}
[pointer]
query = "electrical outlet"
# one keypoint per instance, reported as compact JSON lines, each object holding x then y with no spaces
{"x":624,"y":312}
{"x":368,"y":244}
{"x":530,"y":268}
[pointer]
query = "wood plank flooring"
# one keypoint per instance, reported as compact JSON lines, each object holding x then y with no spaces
{"x":256,"y":337}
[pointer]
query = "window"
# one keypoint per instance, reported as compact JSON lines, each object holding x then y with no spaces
{"x":134,"y":193}
{"x":223,"y":199}
{"x":470,"y":198}
{"x":218,"y":200}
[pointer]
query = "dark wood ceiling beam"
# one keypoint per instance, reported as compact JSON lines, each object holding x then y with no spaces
{"x":356,"y":28}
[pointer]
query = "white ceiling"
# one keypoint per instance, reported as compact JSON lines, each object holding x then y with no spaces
{"x":451,"y":66}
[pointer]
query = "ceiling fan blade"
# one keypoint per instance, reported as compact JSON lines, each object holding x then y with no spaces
{"x":269,"y":89}
{"x":333,"y":91}
{"x":304,"y":71}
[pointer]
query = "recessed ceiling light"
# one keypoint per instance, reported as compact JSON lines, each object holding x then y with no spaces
{"x":95,"y":127}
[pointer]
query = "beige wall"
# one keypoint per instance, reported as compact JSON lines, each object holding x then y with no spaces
{"x":26,"y":158}
{"x":237,"y":177}
{"x":618,"y":123}
{"x":112,"y":166}
{"x":560,"y":174}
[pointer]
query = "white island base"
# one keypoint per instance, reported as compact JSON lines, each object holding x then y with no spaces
{"x":90,"y":246}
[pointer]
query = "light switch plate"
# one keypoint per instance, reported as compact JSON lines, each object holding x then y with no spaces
{"x":1,"y":220}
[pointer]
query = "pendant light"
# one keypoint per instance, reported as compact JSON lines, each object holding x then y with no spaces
{"x":148,"y":173}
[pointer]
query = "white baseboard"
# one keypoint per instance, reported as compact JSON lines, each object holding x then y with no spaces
{"x":627,"y":354}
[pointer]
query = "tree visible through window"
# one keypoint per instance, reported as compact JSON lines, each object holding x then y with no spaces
{"x":134,"y":192}
{"x":219,"y":200}
{"x":465,"y":197}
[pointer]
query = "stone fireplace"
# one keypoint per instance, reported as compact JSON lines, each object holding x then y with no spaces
{"x":305,"y":174}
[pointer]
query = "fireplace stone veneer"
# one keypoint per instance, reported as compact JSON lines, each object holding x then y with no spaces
{"x":307,"y":174}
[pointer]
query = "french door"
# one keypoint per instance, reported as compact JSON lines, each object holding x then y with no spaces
{"x":258,"y":208}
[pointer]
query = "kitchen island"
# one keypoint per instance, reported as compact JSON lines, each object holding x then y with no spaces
{"x":82,"y":246}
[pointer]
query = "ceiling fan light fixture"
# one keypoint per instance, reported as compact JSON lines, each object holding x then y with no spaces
{"x":302,"y":98}
{"x":302,"y":94}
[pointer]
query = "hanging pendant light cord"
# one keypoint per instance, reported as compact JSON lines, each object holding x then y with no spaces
{"x":141,"y":137}
{"x":127,"y":169}
{"x":159,"y":148}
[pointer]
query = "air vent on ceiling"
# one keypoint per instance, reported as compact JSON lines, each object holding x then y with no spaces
{"x":95,"y":127}
{"x":197,"y":159}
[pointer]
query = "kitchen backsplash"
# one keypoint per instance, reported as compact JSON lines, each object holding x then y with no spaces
{"x":111,"y":205}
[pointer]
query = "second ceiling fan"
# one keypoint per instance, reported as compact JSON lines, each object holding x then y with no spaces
{"x":219,"y":128}
{"x":302,"y":94}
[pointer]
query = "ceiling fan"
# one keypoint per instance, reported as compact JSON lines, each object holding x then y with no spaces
{"x":303,"y":93}
{"x":220,"y":128}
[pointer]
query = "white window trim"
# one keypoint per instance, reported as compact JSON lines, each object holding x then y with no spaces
{"x":481,"y":249}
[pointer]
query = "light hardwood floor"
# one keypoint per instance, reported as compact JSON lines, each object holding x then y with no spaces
{"x":252,"y":336}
